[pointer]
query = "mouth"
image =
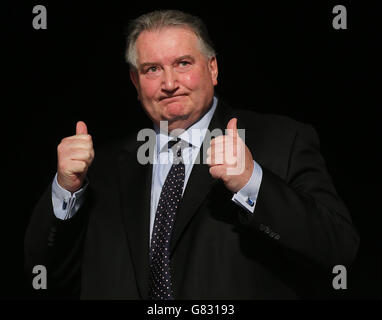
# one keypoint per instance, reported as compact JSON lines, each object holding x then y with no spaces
{"x":171,"y":98}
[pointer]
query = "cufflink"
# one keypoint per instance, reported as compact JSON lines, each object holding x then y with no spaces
{"x":250,"y":202}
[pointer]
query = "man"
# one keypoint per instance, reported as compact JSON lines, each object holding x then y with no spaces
{"x":179,"y":229}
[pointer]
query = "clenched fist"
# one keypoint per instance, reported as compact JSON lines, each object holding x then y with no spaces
{"x":230,"y":159}
{"x":75,"y":154}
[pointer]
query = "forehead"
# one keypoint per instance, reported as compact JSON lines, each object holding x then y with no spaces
{"x":166,"y":43}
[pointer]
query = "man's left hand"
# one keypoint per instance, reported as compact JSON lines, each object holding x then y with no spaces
{"x":230,"y":159}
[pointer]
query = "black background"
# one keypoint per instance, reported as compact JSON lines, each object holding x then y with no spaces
{"x":279,"y":57}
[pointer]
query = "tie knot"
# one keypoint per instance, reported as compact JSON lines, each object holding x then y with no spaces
{"x":177,"y":147}
{"x":172,"y":143}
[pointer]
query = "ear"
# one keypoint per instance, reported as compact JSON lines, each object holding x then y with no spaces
{"x":213,"y":67}
{"x":134,"y":78}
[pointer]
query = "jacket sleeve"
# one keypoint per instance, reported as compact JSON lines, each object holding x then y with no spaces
{"x":57,"y":245}
{"x":302,"y":211}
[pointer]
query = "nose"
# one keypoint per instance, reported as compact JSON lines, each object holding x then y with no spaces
{"x":169,"y":80}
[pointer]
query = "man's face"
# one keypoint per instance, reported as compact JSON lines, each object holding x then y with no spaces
{"x":174,"y":80}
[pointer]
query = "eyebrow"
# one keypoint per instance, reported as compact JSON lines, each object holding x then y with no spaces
{"x":148,"y":64}
{"x":185,"y":57}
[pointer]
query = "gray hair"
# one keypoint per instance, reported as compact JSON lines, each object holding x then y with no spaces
{"x":157,"y":20}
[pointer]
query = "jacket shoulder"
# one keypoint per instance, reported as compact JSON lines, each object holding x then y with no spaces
{"x":267,"y":121}
{"x":250,"y":119}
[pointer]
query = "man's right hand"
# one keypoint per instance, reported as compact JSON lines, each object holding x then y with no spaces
{"x":75,"y":154}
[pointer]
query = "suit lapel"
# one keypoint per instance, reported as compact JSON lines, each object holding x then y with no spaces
{"x":199,"y":183}
{"x":135,"y":188}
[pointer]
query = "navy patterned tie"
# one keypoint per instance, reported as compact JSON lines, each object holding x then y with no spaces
{"x":160,"y":276}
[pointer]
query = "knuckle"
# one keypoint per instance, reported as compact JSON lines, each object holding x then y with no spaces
{"x":62,"y":166}
{"x":64,"y":140}
{"x":88,"y":143}
{"x":88,"y":154}
{"x":220,"y":139}
{"x":214,"y":172}
{"x":88,"y":137}
{"x":83,"y":165}
{"x":62,"y":144}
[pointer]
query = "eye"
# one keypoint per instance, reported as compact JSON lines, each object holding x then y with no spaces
{"x":184,"y":63}
{"x":152,"y":69}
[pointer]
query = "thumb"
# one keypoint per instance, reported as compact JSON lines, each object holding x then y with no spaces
{"x":232,"y":127}
{"x":81,"y":128}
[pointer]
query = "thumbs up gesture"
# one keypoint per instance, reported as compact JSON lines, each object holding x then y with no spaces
{"x":230,"y":159}
{"x":75,"y":154}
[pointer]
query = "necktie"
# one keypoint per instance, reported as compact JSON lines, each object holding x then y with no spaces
{"x":160,"y":276}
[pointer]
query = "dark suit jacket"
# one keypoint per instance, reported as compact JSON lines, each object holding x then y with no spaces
{"x":218,"y":250}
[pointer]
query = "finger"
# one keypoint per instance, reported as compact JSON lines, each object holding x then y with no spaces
{"x":217,"y":147}
{"x":77,"y":144}
{"x":232,"y":127}
{"x":79,"y":137}
{"x":215,"y":159}
{"x":221,"y":158}
{"x":84,"y":140}
{"x":72,"y":166}
{"x":216,"y":156}
{"x":218,"y":171}
{"x":68,"y":146}
{"x":81,"y":154}
{"x":81,"y":128}
{"x":230,"y":148}
{"x":217,"y":140}
{"x":78,"y":166}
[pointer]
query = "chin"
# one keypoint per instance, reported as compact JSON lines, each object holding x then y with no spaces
{"x":175,"y":110}
{"x":177,"y":121}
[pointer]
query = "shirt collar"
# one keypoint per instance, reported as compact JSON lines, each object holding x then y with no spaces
{"x":194,"y":134}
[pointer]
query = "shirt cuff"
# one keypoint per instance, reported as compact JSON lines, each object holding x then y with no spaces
{"x":66,"y":204}
{"x":246,"y":197}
